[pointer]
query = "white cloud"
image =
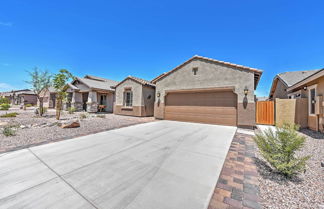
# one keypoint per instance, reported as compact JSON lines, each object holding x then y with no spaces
{"x":6,"y":87}
{"x":8,"y":24}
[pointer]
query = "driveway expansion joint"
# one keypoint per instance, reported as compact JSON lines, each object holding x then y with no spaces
{"x":59,"y":176}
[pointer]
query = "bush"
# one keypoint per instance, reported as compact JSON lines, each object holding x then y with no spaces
{"x":279,"y":149}
{"x":4,"y":101}
{"x":8,"y":131}
{"x":4,"y":106}
{"x":101,"y":116}
{"x":83,"y":116}
{"x":28,"y":105}
{"x":71,"y":110}
{"x":9,"y":115}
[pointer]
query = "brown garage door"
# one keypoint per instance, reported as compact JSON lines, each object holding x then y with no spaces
{"x":202,"y":107}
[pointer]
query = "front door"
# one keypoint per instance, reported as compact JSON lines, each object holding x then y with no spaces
{"x":85,"y":100}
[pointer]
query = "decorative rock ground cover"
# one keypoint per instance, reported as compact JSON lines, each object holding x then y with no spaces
{"x":32,"y":130}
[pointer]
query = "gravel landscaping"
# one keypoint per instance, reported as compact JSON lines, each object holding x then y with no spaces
{"x":303,"y":191}
{"x":33,"y":130}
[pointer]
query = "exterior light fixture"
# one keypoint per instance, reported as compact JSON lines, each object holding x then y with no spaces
{"x":305,"y":87}
{"x":246,"y":91}
{"x":158,"y":94}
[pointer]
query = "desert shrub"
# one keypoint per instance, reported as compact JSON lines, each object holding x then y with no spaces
{"x":83,"y":116}
{"x":9,"y":115}
{"x":4,"y":101}
{"x":279,"y":149}
{"x":101,"y":116}
{"x":8,"y":131}
{"x":71,"y":110}
{"x":28,"y":105}
{"x":4,"y":106}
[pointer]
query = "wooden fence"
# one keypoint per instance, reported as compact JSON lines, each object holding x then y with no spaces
{"x":265,"y":112}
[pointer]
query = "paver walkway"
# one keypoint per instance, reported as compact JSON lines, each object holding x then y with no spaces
{"x":238,"y":185}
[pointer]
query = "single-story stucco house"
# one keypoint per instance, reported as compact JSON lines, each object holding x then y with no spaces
{"x":91,"y":94}
{"x":207,"y":91}
{"x":283,"y":81}
{"x":49,"y":97}
{"x":312,"y":88}
{"x":135,"y":97}
{"x":20,"y":97}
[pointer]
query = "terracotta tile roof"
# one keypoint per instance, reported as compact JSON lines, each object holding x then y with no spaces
{"x":257,"y":71}
{"x":138,"y":80}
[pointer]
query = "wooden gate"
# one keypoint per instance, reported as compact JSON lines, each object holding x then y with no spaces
{"x":265,"y":112}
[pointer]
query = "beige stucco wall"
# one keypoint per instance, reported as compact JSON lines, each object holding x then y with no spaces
{"x":280,"y":91}
{"x":210,"y":75}
{"x":148,"y":102}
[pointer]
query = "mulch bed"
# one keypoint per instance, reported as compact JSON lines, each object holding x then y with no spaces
{"x":238,"y":184}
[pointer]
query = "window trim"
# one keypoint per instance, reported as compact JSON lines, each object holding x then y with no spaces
{"x":309,"y":88}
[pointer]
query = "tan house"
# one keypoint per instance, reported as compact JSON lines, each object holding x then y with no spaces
{"x":207,"y":91}
{"x":20,"y":97}
{"x":283,"y":81}
{"x":135,"y":97}
{"x":91,"y":94}
{"x":312,"y":88}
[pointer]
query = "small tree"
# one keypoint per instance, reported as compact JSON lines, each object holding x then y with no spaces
{"x":40,"y":82}
{"x":60,"y":82}
{"x":279,"y":149}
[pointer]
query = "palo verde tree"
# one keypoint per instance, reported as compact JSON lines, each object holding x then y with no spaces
{"x":40,"y":82}
{"x":60,"y":81}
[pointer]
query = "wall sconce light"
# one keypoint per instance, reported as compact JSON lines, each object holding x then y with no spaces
{"x":246,"y":91}
{"x":305,"y":88}
{"x":158,"y":94}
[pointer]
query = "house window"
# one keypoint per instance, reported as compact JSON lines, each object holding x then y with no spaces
{"x":312,"y":100}
{"x":195,"y":70}
{"x":128,"y":98}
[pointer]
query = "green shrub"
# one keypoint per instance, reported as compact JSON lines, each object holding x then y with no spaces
{"x":4,"y":106}
{"x":9,"y":115}
{"x":4,"y":101}
{"x":279,"y":149}
{"x":8,"y":131}
{"x":28,"y":105}
{"x":71,"y":110}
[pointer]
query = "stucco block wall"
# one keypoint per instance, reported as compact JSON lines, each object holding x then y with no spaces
{"x":210,"y":75}
{"x":280,"y":91}
{"x":285,"y":111}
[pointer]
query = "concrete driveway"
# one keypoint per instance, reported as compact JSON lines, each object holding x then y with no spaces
{"x":164,"y":164}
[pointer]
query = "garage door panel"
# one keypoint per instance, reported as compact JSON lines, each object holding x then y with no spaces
{"x":201,"y":110}
{"x":203,"y":107}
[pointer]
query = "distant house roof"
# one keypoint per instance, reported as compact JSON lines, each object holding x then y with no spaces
{"x":310,"y":78}
{"x":257,"y":72}
{"x":262,"y":98}
{"x":290,"y":78}
{"x":138,"y":80}
{"x":18,"y":92}
{"x":96,"y":83}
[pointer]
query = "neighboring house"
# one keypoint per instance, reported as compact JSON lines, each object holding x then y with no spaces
{"x":21,"y":97}
{"x":134,"y":96}
{"x":91,"y":94}
{"x":312,"y":88}
{"x":49,"y":97}
{"x":285,"y":80}
{"x":207,"y":91}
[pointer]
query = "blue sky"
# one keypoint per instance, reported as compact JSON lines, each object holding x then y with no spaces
{"x":114,"y":39}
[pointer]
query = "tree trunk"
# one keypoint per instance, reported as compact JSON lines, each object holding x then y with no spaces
{"x":58,"y":108}
{"x":41,"y":106}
